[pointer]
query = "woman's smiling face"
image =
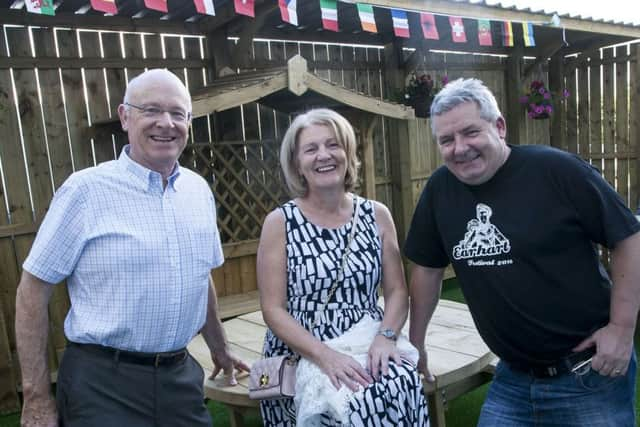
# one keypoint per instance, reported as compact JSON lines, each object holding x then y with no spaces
{"x":321,"y":158}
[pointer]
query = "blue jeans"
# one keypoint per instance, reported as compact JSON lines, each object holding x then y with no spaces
{"x":585,"y":399}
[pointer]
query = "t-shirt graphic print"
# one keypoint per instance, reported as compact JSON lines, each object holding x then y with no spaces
{"x":482,"y":239}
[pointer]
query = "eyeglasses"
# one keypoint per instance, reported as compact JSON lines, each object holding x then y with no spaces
{"x":152,"y":112}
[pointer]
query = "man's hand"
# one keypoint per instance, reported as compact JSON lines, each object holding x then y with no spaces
{"x":228,"y":364}
{"x":39,"y":413}
{"x":614,"y":345}
{"x":423,"y":365}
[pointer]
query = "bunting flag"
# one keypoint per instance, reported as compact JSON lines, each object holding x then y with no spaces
{"x":329,"y":9}
{"x":457,"y":29}
{"x":484,"y":32}
{"x":400,"y":23}
{"x":43,"y":7}
{"x":527,"y":33}
{"x":245,"y":7}
{"x":288,"y":11}
{"x":507,"y":34}
{"x":428,"y":24}
{"x":365,"y":11}
{"x":205,"y":7}
{"x":160,"y":5}
{"x":106,"y":6}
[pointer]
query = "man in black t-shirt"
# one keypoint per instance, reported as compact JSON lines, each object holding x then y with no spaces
{"x":520,"y":226}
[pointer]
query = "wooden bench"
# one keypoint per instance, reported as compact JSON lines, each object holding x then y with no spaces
{"x":457,"y":357}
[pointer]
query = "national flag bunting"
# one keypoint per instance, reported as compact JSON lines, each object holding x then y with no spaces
{"x":160,"y":5}
{"x":400,"y":23}
{"x":329,"y":10}
{"x":428,"y":24}
{"x":245,"y":7}
{"x":457,"y":30}
{"x":288,"y":11}
{"x":365,"y":11}
{"x":507,"y":34}
{"x":106,"y":6}
{"x":484,"y":32}
{"x":527,"y":33}
{"x":43,"y":7}
{"x":205,"y":7}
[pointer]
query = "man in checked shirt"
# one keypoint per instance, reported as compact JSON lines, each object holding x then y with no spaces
{"x":136,"y":239}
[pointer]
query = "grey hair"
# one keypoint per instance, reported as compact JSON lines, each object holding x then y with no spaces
{"x":344,"y":134}
{"x":463,"y":90}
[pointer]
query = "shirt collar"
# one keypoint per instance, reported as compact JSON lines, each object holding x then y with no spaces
{"x":145,"y":176}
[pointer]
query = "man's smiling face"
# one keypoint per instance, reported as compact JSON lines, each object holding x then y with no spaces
{"x":472,"y":148}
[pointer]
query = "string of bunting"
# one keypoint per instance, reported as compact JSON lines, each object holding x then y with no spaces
{"x":329,"y":12}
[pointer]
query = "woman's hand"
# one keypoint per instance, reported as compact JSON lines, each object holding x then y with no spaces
{"x":381,"y":351}
{"x":343,"y":370}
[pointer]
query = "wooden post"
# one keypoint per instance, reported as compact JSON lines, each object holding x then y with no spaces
{"x":367,"y":126}
{"x":558,"y":118}
{"x":514,"y":89}
{"x":399,"y":148}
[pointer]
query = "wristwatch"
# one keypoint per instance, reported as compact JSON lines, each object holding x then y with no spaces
{"x":388,"y":333}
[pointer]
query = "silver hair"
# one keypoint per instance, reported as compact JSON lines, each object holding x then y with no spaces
{"x":463,"y":90}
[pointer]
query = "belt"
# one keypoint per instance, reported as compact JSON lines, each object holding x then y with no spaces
{"x":150,"y":359}
{"x":559,"y":367}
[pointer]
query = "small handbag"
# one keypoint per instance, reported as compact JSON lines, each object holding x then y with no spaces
{"x":275,"y":377}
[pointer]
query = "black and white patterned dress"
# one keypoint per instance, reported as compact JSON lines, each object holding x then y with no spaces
{"x":313,"y":257}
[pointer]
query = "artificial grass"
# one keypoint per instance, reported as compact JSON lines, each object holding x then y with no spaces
{"x":462,"y":412}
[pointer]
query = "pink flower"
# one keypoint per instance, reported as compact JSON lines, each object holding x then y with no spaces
{"x":546,"y":95}
{"x":541,"y":91}
{"x":531,"y":114}
{"x":539,"y":110}
{"x":566,"y":93}
{"x":549,"y":109}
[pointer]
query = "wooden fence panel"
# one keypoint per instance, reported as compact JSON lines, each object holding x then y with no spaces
{"x":97,"y":98}
{"x":622,"y":143}
{"x":17,"y":194}
{"x":608,"y":117}
{"x":72,"y":85}
{"x":634,"y":125}
{"x":571,"y":104}
{"x":584,"y":111}
{"x":116,"y":84}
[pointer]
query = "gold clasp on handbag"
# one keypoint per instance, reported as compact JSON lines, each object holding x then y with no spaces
{"x":264,"y":380}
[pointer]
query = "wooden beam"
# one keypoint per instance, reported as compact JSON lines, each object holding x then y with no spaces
{"x":99,"y":22}
{"x":361,"y":102}
{"x":233,"y":98}
{"x":367,"y":126}
{"x":514,"y":87}
{"x":471,"y":10}
{"x":99,"y":63}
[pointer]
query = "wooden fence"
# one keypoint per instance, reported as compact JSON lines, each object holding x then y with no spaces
{"x":55,"y":84}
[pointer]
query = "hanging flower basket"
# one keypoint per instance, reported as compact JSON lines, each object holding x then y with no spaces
{"x":420,"y":92}
{"x":538,"y":100}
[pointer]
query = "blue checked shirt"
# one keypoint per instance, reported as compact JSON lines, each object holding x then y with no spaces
{"x":137,"y":256}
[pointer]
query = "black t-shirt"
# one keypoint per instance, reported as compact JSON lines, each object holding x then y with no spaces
{"x":522,"y":246}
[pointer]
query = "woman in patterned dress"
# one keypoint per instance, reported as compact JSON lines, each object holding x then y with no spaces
{"x":299,"y":258}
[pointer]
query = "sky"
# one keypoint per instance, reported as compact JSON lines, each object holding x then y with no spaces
{"x":627,"y":11}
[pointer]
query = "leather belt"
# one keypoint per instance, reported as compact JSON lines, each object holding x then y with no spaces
{"x":150,"y":359}
{"x":560,"y":367}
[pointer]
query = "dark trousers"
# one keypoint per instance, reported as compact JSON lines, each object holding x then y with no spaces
{"x":97,"y":390}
